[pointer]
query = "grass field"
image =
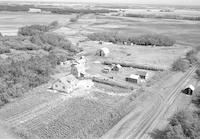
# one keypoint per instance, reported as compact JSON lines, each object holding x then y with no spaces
{"x":11,"y":21}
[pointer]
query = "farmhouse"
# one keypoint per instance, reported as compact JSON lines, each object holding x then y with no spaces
{"x":133,"y":78}
{"x":66,"y":84}
{"x":142,"y":74}
{"x":103,"y":52}
{"x":34,"y":10}
{"x":78,"y":70}
{"x":189,"y":90}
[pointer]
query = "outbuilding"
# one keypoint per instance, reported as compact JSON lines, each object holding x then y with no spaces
{"x":106,"y":70}
{"x":34,"y":10}
{"x":133,"y":78}
{"x":65,"y":84}
{"x":116,"y":67}
{"x":142,"y":74}
{"x":189,"y":90}
{"x":103,"y":52}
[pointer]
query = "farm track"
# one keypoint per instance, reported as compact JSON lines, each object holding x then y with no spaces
{"x":148,"y":119}
{"x":152,"y":118}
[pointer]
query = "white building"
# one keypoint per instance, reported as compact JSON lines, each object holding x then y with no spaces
{"x":34,"y":10}
{"x":133,"y":78}
{"x":142,"y":74}
{"x":66,"y":84}
{"x":103,"y":52}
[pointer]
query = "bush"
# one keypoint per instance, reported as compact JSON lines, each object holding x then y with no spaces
{"x":191,"y":56}
{"x":53,"y":24}
{"x":74,"y":19}
{"x":198,"y":74}
{"x":4,"y":50}
{"x":183,"y":125}
{"x":180,"y":65}
{"x":33,"y":30}
{"x":48,"y":41}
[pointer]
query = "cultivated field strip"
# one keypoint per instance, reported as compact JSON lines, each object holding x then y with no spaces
{"x":151,"y":118}
{"x":45,"y":118}
{"x":28,"y":115}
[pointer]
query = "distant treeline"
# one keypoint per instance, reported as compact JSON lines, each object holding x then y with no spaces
{"x":65,"y":10}
{"x":15,"y":8}
{"x":166,"y":16}
{"x":124,"y":38}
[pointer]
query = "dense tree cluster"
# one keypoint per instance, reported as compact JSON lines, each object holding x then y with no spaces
{"x":19,"y":74}
{"x":146,"y":39}
{"x":36,"y":37}
{"x":18,"y":77}
{"x":33,"y":30}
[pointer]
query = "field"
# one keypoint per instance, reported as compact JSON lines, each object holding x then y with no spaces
{"x":91,"y":113}
{"x":10,"y":22}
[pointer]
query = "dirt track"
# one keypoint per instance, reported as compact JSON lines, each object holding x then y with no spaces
{"x":149,"y":120}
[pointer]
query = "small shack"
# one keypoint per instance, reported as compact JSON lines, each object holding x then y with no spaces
{"x":65,"y":84}
{"x":106,"y":70}
{"x":34,"y":10}
{"x":143,"y":74}
{"x":133,"y":78}
{"x":116,"y":67}
{"x":103,"y":52}
{"x":189,"y":90}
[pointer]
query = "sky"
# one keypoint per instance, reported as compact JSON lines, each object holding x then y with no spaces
{"x":171,"y":2}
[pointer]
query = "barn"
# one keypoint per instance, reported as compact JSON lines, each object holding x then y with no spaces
{"x":189,"y":90}
{"x":103,"y":52}
{"x":65,"y":84}
{"x":133,"y":78}
{"x":142,"y":74}
{"x":34,"y":10}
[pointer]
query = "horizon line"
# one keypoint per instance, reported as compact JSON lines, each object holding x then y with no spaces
{"x":53,"y":1}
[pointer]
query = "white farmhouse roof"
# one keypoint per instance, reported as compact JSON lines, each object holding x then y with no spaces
{"x":191,"y":87}
{"x":133,"y":76}
{"x":68,"y":80}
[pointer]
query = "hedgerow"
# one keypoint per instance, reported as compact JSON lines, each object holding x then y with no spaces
{"x":166,"y":16}
{"x":146,"y":39}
